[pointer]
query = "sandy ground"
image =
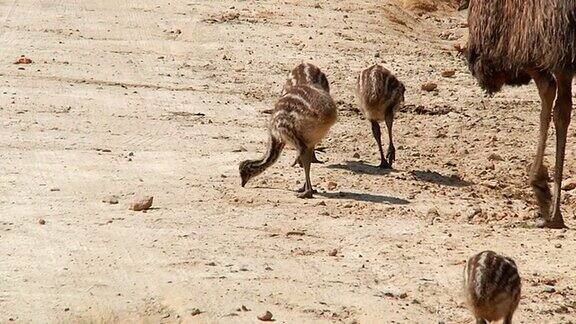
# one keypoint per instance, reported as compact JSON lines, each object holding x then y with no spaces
{"x":165,"y":98}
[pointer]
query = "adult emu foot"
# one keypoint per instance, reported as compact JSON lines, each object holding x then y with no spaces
{"x":306,"y":194}
{"x":303,"y":189}
{"x":391,"y":155}
{"x":554,"y":223}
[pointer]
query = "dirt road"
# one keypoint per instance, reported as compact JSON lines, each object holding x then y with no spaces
{"x":165,"y":98}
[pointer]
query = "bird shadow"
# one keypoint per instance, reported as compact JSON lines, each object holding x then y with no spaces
{"x":364,"y":197}
{"x":440,"y":179}
{"x":361,"y":167}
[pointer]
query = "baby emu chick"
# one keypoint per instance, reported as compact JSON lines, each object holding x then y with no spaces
{"x":306,"y":74}
{"x":380,"y":94}
{"x":492,"y":287}
{"x":301,"y":118}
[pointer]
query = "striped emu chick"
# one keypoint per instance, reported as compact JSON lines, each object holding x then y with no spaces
{"x":492,"y":287}
{"x":306,"y":74}
{"x":301,"y":118}
{"x":380,"y":94}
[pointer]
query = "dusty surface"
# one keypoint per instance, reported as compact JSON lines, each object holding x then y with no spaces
{"x":141,"y":98}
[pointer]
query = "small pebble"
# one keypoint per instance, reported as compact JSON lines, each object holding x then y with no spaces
{"x":142,"y":204}
{"x":331,"y":185}
{"x":448,"y":73}
{"x":266,"y":317}
{"x":549,"y":289}
{"x":429,"y":86}
{"x":112,"y":200}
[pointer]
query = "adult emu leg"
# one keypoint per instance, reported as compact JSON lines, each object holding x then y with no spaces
{"x":562,"y":115}
{"x":538,"y":173}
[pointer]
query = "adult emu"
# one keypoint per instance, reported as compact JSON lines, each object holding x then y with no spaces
{"x":514,"y":41}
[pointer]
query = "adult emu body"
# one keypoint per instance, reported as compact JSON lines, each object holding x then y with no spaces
{"x":514,"y":41}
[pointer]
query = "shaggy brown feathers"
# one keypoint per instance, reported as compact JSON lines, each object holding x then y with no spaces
{"x":509,"y":36}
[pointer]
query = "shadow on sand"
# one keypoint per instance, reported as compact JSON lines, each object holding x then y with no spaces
{"x":437,"y":178}
{"x":364,"y":197}
{"x":361,"y":168}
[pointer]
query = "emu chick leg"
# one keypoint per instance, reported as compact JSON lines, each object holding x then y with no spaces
{"x":391,"y":152}
{"x":378,"y":136}
{"x":306,"y":158}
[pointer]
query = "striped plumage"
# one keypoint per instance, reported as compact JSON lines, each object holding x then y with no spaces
{"x":306,"y":74}
{"x":380,"y":95}
{"x":301,"y":118}
{"x":492,"y":287}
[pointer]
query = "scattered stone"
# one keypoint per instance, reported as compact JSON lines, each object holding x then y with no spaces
{"x":569,"y":185}
{"x":23,"y":60}
{"x":333,"y":253}
{"x":55,"y":189}
{"x":474,"y":212}
{"x":448,"y":73}
{"x":266,"y":317}
{"x":332,"y":185}
{"x":558,"y":246}
{"x":356,"y":155}
{"x":297,"y":233}
{"x":141,"y":204}
{"x":495,"y":157}
{"x":244,"y":308}
{"x":41,"y":221}
{"x":549,"y":289}
{"x":393,"y":294}
{"x":433,"y":213}
{"x":429,"y":86}
{"x":445,"y":34}
{"x":195,"y":311}
{"x":112,"y":200}
{"x":460,"y":48}
{"x":211,"y":264}
{"x":490,"y":184}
